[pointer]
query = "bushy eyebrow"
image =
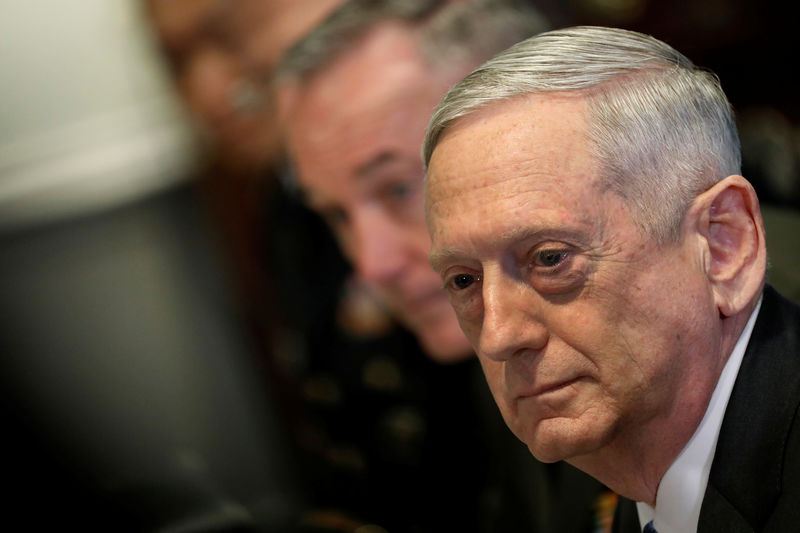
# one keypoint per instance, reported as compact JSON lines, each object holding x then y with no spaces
{"x":443,"y":256}
{"x":376,"y":163}
{"x":439,"y":258}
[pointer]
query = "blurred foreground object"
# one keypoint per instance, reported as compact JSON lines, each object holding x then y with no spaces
{"x":132,"y":400}
{"x":88,"y":121}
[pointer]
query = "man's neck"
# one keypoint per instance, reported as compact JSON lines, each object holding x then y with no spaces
{"x":633,"y":464}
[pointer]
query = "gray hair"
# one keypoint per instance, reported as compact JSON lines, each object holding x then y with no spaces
{"x":452,"y":32}
{"x":661,"y":128}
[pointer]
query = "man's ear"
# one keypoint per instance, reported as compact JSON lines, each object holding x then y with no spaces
{"x":728,"y":217}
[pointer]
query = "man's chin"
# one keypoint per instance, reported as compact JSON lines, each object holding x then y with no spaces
{"x":564,"y":439}
{"x":552,"y":452}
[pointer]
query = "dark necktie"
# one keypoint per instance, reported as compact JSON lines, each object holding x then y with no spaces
{"x":648,"y":528}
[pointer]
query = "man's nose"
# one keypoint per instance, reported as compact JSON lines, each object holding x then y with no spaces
{"x":511,"y":322}
{"x":380,"y":253}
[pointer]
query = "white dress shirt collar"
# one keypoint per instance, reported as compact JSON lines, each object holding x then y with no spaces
{"x":683,"y":486}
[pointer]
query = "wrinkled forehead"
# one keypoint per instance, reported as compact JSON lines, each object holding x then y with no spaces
{"x":538,"y":133}
{"x":529,"y":153}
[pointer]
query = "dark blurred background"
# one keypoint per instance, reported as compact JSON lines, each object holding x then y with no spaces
{"x":183,"y":349}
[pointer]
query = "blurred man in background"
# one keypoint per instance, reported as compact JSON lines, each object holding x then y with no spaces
{"x":223,"y":55}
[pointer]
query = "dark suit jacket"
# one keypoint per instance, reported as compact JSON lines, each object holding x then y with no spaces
{"x":754,"y":485}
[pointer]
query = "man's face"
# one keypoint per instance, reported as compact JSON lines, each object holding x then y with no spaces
{"x":586,"y":328}
{"x":354,"y":134}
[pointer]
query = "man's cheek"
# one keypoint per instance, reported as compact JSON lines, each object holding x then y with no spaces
{"x":471,"y":330}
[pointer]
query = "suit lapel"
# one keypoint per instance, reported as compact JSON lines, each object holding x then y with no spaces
{"x":719,"y":516}
{"x":745,"y":480}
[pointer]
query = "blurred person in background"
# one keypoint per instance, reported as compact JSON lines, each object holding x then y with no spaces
{"x":355,"y":95}
{"x":222,"y":55}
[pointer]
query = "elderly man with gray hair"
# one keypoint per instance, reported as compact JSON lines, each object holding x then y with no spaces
{"x":607,"y":262}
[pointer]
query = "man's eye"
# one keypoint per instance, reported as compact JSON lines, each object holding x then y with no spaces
{"x":550,"y":258}
{"x":463,"y":281}
{"x":557,"y":269}
{"x":399,"y":190}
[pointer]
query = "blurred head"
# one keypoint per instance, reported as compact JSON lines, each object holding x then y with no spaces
{"x":355,"y":97}
{"x":223,"y":54}
{"x":598,"y":246}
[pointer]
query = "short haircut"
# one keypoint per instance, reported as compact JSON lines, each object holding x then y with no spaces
{"x":661,"y":128}
{"x":451,"y":32}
